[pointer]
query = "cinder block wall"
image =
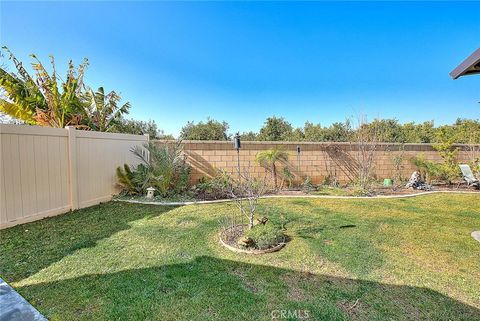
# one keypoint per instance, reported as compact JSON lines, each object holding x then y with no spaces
{"x":316,"y":160}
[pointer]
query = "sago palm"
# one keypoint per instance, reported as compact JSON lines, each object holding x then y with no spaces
{"x":164,"y":166}
{"x":269,"y":158}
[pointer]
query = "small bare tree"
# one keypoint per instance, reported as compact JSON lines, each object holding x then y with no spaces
{"x":366,"y":140}
{"x":397,"y":159}
{"x":245,"y":191}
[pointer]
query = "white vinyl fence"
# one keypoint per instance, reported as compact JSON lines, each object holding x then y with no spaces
{"x":49,"y":171}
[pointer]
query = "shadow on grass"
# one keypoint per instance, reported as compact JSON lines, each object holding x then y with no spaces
{"x":209,"y":288}
{"x":335,"y":235}
{"x":28,"y":248}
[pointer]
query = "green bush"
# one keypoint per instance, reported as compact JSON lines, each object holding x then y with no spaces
{"x":449,"y":167}
{"x":265,"y":236}
{"x":162,"y":167}
{"x":126,"y":180}
{"x":428,"y":169}
{"x":212,"y":188}
{"x":475,"y":165}
{"x":308,"y":186}
{"x":288,"y":176}
{"x":359,"y":190}
{"x":447,"y":171}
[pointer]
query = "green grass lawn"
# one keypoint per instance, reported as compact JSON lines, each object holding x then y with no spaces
{"x":373,"y":259}
{"x":334,"y":191}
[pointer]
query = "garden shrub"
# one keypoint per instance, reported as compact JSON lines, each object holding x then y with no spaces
{"x":162,"y":167}
{"x":428,"y":170}
{"x":449,"y":167}
{"x":475,"y":166}
{"x":397,"y":160}
{"x":265,"y":236}
{"x":183,"y":179}
{"x":288,"y":176}
{"x":447,"y":171}
{"x":125,"y":177}
{"x":213,"y":188}
{"x":359,"y":190}
{"x":330,"y":180}
{"x":308,"y":186}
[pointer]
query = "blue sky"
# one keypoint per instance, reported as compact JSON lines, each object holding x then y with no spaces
{"x":242,"y":62}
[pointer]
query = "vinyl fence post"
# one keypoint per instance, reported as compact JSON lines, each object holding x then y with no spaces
{"x":72,"y":168}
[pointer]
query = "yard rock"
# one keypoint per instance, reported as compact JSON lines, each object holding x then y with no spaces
{"x":245,"y":242}
{"x":262,"y":220}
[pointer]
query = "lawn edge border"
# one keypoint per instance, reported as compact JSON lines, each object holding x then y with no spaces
{"x":295,"y":196}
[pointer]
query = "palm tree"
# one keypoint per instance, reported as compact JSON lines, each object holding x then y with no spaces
{"x":269,"y":158}
{"x":103,"y":111}
{"x":44,"y":99}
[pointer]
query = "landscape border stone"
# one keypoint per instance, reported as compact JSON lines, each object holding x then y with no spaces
{"x":276,"y":248}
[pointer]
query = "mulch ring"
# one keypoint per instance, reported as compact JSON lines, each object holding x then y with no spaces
{"x":230,"y":236}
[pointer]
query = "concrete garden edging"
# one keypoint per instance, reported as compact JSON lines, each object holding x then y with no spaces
{"x":297,"y":196}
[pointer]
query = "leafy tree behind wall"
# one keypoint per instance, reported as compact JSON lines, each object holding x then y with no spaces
{"x":465,"y":131}
{"x":387,"y":130}
{"x":249,"y":136}
{"x":276,"y":129}
{"x":419,"y":133}
{"x":140,"y":127}
{"x":209,"y":130}
{"x":339,"y":132}
{"x":314,"y":132}
{"x":297,"y":135}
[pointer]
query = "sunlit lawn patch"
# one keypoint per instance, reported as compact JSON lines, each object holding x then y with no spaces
{"x":373,"y":259}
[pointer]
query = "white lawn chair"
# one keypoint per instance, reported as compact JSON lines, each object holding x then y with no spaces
{"x":468,"y":176}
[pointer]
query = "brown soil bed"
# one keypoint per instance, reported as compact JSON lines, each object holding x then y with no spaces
{"x":230,"y":236}
{"x":402,"y":190}
{"x":386,"y":191}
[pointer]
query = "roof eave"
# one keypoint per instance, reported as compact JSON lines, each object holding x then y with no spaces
{"x":469,"y":66}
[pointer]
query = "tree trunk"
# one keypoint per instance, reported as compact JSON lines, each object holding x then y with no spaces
{"x":274,"y":176}
{"x":250,"y":221}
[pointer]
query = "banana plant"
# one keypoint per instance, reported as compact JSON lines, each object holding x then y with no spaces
{"x":103,"y":110}
{"x":20,"y":95}
{"x":43,"y":99}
